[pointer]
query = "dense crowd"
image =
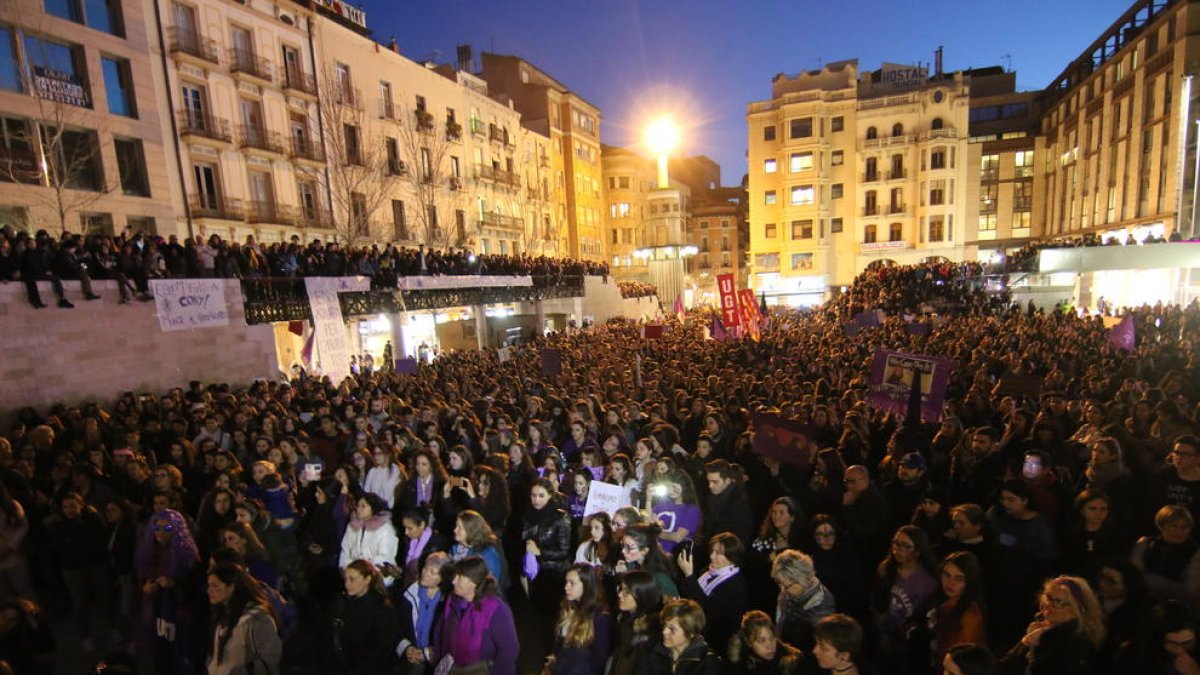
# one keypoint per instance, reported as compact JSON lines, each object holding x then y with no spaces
{"x":402,"y":523}
{"x":636,"y":289}
{"x":1024,"y":258}
{"x":133,"y":258}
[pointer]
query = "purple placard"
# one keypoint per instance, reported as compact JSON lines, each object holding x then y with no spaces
{"x":892,"y":379}
{"x":407,"y":366}
{"x":551,"y":362}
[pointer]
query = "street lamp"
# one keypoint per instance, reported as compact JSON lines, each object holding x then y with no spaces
{"x":662,"y":136}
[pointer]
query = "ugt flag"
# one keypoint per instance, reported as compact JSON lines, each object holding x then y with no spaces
{"x":1123,"y":335}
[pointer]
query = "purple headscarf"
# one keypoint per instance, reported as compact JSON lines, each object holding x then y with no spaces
{"x":180,"y":552}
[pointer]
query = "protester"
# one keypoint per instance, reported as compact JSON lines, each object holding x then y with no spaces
{"x":476,"y":630}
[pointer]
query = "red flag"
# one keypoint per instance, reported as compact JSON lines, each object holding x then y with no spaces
{"x":729,"y":301}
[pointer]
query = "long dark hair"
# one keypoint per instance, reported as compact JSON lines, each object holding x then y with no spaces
{"x":646,"y":536}
{"x":973,"y":592}
{"x":577,"y":620}
{"x":247,"y":595}
{"x":474,"y":568}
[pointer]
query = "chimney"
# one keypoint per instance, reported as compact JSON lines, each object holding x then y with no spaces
{"x":464,"y":58}
{"x":393,"y":45}
{"x":937,"y":60}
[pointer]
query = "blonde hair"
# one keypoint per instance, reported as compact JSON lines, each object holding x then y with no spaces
{"x":1089,"y":615}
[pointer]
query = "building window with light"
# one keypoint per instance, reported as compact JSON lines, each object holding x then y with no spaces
{"x":869,"y":234}
{"x":769,"y":198}
{"x":989,"y":167}
{"x":937,"y":228}
{"x":769,"y":231}
{"x":801,"y":161}
{"x":802,"y":229}
{"x":802,"y":261}
{"x":987,"y":222}
{"x":803,"y":195}
{"x":769,"y":166}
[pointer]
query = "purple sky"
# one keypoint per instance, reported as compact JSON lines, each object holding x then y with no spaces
{"x":706,"y":59}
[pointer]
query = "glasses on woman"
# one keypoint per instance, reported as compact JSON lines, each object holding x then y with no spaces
{"x":1057,"y":603}
{"x":903,"y":545}
{"x":163,"y":527}
{"x":826,"y":534}
{"x":630,"y":547}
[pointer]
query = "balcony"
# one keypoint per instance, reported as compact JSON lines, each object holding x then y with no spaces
{"x":245,"y":62}
{"x":385,"y":109}
{"x":191,"y":43}
{"x":192,"y":123}
{"x":498,"y":134}
{"x":894,"y":209}
{"x":211,"y":206}
{"x":298,"y":81}
{"x":900,"y":174}
{"x":255,"y":137}
{"x":424,"y":120}
{"x":453,"y":130}
{"x":269,"y":212}
{"x":935,"y":134}
{"x":348,"y":97}
{"x":497,"y":176}
{"x":502,"y":222}
{"x":396,"y":167}
{"x":870,"y":210}
{"x":871,"y":177}
{"x":312,"y":216}
{"x":307,"y":150}
{"x":478,"y":128}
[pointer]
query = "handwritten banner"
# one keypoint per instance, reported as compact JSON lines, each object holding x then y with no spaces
{"x":329,"y":326}
{"x":187,"y":304}
{"x":607,"y":498}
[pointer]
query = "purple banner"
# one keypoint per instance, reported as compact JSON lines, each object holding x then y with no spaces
{"x":407,"y":366}
{"x":782,"y":439}
{"x":891,"y":385}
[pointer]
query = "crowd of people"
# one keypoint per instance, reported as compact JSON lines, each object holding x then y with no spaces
{"x":440,"y":521}
{"x":1023,"y":259}
{"x":636,"y":289}
{"x":133,"y":258}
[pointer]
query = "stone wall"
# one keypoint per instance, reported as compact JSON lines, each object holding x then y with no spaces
{"x":102,"y":348}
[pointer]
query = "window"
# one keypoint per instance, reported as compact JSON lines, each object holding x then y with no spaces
{"x":141,"y":224}
{"x":801,"y":128}
{"x":872,"y":134}
{"x":869,"y":234}
{"x":73,"y":158}
{"x":895,"y":232}
{"x":802,"y":229}
{"x":769,"y":166}
{"x":837,"y":124}
{"x":118,"y":86}
{"x":801,"y":161}
{"x":1023,"y":161}
{"x":897,"y":167}
{"x":769,"y":198}
{"x":988,"y":193}
{"x":420,"y":103}
{"x":987,"y":222}
{"x":10,"y":68}
{"x":455,"y":167}
{"x":836,"y":191}
{"x":345,"y":85}
{"x":871,"y":171}
{"x":769,"y":230}
{"x":769,"y":132}
{"x":395,"y":166}
{"x":426,"y":165}
{"x":103,"y":15}
{"x":835,"y":225}
{"x":96,"y":223}
{"x":803,"y":194}
{"x":18,"y":163}
{"x":937,"y":159}
{"x":58,"y":71}
{"x":837,"y":158}
{"x":989,"y":167}
{"x":399,"y":221}
{"x":937,"y":195}
{"x":350,"y":139}
{"x":1021,"y":220}
{"x":937,"y":124}
{"x":1022,"y":195}
{"x":623,"y":182}
{"x":387,"y":109}
{"x":802,"y":261}
{"x":306,"y":189}
{"x":358,"y":214}
{"x":937,"y":228}
{"x":870,"y":204}
{"x":897,"y":130}
{"x":131,"y":164}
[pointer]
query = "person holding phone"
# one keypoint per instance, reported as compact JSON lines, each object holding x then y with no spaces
{"x":721,"y":589}
{"x":674,"y":505}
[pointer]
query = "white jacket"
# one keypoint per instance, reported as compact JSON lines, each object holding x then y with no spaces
{"x":382,"y":481}
{"x":374,"y":541}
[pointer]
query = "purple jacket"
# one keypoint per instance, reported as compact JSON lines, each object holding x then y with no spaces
{"x":497,"y":643}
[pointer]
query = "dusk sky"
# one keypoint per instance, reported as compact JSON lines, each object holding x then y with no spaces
{"x":704,"y":60}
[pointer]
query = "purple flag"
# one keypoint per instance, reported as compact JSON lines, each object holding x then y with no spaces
{"x":1123,"y":335}
{"x":718,"y":330}
{"x":892,"y":383}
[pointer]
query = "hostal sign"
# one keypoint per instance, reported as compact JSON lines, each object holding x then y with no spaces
{"x":59,"y":86}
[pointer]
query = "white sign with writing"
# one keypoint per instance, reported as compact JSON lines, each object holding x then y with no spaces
{"x":184,"y":304}
{"x":897,"y":76}
{"x":607,"y":498}
{"x":331,"y":338}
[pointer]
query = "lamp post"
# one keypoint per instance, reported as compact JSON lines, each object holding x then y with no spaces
{"x":666,"y":245}
{"x":662,"y":136}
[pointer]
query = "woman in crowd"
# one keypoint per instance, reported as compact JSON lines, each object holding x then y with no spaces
{"x":476,"y":632}
{"x":244,"y":635}
{"x":363,"y":624}
{"x":419,"y":542}
{"x":385,"y":476}
{"x":370,"y":535}
{"x":457,"y":490}
{"x":216,"y":511}
{"x":595,"y":540}
{"x":546,"y":531}
{"x":164,"y":561}
{"x":782,"y":528}
{"x":720,"y":590}
{"x":674,"y":505}
{"x":241,"y":539}
{"x":1170,"y":561}
{"x":960,"y":617}
{"x":638,"y":646}
{"x":838,"y":643}
{"x":803,"y":600}
{"x":121,"y":538}
{"x":1167,"y":645}
{"x":837,"y":565}
{"x":904,"y":590}
{"x":76,"y":535}
{"x":1095,"y":535}
{"x":428,"y":476}
{"x":757,"y":650}
{"x":489,"y":496}
{"x":581,"y":483}
{"x":1125,"y":600}
{"x":640,"y":550}
{"x":620,"y":471}
{"x":418,"y":610}
{"x":14,"y":568}
{"x":583,"y":633}
{"x":1065,"y":636}
{"x":1026,"y":547}
{"x":682,"y":635}
{"x":474,"y":537}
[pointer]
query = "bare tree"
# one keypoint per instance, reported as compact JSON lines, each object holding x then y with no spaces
{"x":60,"y":148}
{"x":438,"y":189}
{"x":362,"y":176}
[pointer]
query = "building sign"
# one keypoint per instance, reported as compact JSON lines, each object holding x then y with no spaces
{"x":343,"y":9}
{"x":884,"y":245}
{"x":60,"y":86}
{"x":896,"y":76}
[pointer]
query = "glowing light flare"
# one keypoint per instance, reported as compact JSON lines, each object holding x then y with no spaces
{"x":662,"y":136}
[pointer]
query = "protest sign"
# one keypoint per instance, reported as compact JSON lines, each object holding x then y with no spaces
{"x":891,"y":383}
{"x":607,"y":498}
{"x":185,"y":304}
{"x":329,"y":326}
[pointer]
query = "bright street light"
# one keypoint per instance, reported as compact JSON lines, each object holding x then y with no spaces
{"x":662,"y":136}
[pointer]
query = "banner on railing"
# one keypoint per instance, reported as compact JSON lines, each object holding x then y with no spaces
{"x":186,"y":304}
{"x":332,"y":338}
{"x":428,"y":283}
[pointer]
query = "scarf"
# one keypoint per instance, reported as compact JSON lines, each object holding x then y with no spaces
{"x":426,"y":612}
{"x":710,"y":579}
{"x":469,"y":621}
{"x":424,"y":490}
{"x":417,"y":547}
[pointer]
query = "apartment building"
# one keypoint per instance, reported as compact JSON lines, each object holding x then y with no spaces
{"x":719,"y":231}
{"x":628,"y":177}
{"x":850,"y":170}
{"x":1118,"y":130}
{"x":81,"y":130}
{"x":573,"y":124}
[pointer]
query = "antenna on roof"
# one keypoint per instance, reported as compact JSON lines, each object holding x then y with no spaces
{"x":1008,"y":62}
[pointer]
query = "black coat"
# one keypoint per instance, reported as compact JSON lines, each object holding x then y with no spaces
{"x":730,"y":512}
{"x":1060,"y":651}
{"x":80,"y":543}
{"x":364,"y":634}
{"x":723,"y":609}
{"x":552,"y":533}
{"x":698,"y":659}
